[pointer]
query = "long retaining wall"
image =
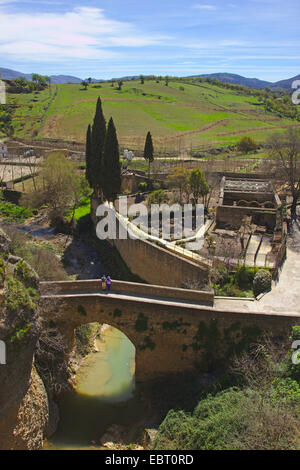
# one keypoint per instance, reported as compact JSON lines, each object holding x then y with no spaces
{"x":155,"y":264}
{"x":158,"y":266}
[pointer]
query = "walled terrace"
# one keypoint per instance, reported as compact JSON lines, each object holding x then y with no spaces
{"x":249,"y":219}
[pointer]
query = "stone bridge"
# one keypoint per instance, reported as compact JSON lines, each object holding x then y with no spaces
{"x":173,"y":330}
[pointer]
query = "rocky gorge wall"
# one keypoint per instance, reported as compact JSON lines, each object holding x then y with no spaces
{"x":24,"y":409}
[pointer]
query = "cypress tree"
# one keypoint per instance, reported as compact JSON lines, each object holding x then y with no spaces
{"x":111,"y":168}
{"x":148,"y":151}
{"x":88,"y":155}
{"x":97,"y":144}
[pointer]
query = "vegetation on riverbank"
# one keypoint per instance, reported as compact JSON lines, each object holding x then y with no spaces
{"x":10,"y":212}
{"x":260,"y":412}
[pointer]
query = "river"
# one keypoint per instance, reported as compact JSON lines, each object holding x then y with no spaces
{"x":105,"y":395}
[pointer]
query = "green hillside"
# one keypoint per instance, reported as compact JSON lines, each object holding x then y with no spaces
{"x":181,"y":115}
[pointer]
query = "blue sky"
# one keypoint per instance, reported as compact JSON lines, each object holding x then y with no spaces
{"x":111,"y":38}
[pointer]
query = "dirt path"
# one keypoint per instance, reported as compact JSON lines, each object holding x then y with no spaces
{"x":266,"y":128}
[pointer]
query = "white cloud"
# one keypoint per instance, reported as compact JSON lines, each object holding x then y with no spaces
{"x":200,"y":6}
{"x":216,"y":44}
{"x":81,"y":33}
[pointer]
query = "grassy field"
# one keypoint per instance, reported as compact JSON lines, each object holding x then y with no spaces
{"x":180,"y":116}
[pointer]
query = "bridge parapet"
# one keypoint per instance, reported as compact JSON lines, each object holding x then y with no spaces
{"x":202,"y":297}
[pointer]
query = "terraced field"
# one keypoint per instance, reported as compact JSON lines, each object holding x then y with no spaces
{"x":180,"y":116}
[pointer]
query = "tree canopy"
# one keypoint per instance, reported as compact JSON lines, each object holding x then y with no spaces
{"x":94,"y":161}
{"x":149,"y":151}
{"x":111,"y":168}
{"x":285,"y":151}
{"x":198,"y":184}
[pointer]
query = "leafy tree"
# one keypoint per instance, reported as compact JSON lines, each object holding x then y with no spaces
{"x":85,"y":84}
{"x":148,"y":151}
{"x":156,"y":197}
{"x":179,"y":178}
{"x":97,"y":144}
{"x":142,"y":79}
{"x":120,"y":84}
{"x":198,"y":184}
{"x":39,"y":80}
{"x":111,"y":168}
{"x":35,"y":77}
{"x":247,"y":144}
{"x":285,"y":150}
{"x":48,"y":79}
{"x":6,"y":120}
{"x":21,"y":83}
{"x":61,"y":187}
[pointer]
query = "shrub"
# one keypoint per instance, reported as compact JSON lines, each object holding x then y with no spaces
{"x":247,"y":144}
{"x":12,"y":213}
{"x":245,"y":276}
{"x":156,"y":197}
{"x":262,"y":282}
{"x":85,"y":337}
{"x":143,"y":186}
{"x":17,"y":296}
{"x":43,"y":261}
{"x":231,"y":420}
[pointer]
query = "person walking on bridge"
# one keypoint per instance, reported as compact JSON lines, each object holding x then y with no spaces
{"x":108,"y":283}
{"x":103,"y":282}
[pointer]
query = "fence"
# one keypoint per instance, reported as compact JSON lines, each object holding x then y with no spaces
{"x":280,"y":257}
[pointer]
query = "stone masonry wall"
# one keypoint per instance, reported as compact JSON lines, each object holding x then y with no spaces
{"x":170,"y":339}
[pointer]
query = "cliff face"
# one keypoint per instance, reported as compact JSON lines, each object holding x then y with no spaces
{"x":24,"y":412}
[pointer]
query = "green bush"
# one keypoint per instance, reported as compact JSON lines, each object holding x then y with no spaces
{"x":262,"y":282}
{"x":231,"y":420}
{"x":247,"y":144}
{"x":245,"y":276}
{"x":18,"y":296}
{"x":294,"y":369}
{"x":285,"y":389}
{"x":12,"y":213}
{"x":85,"y":337}
{"x":156,"y":197}
{"x":143,"y":187}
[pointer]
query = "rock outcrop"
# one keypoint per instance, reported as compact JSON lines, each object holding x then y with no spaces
{"x":24,"y":410}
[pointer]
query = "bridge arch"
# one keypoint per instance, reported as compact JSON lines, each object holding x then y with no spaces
{"x":171,"y":335}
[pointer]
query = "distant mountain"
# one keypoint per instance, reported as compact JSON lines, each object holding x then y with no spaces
{"x":223,"y":77}
{"x":8,"y":74}
{"x":65,"y":79}
{"x":237,"y":80}
{"x":284,"y":84}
